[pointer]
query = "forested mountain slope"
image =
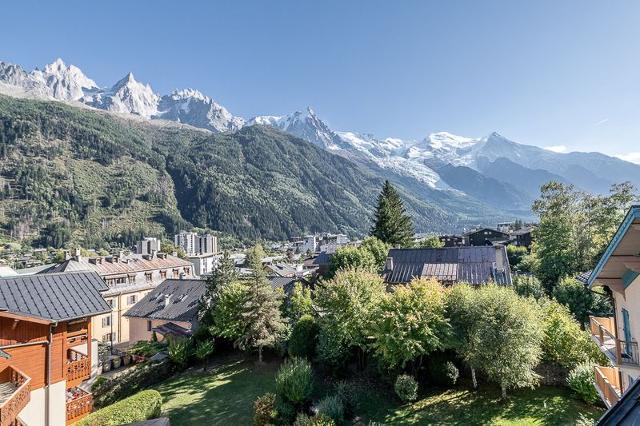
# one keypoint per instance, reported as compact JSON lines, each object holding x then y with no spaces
{"x":73,"y":174}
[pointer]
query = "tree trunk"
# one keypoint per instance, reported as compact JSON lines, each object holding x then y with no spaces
{"x":473,"y":378}
{"x":504,"y":391}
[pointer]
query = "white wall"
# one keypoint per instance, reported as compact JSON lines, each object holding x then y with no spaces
{"x":34,"y":413}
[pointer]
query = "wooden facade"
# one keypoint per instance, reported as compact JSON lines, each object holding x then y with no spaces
{"x":26,"y":339}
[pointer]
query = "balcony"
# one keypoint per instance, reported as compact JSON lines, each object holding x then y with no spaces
{"x":79,"y":404}
{"x":620,"y":352}
{"x":78,"y":368}
{"x":15,"y":392}
{"x":608,"y":384}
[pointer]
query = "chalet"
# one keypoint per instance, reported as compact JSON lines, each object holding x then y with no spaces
{"x":618,"y":270}
{"x":522,"y":237}
{"x":129,"y":278}
{"x":46,"y":346}
{"x":171,"y":309}
{"x":451,"y":240}
{"x":474,"y":265}
{"x":319,"y":263}
{"x":484,"y":237}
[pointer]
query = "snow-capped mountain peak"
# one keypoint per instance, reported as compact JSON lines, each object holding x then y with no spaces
{"x":443,"y":140}
{"x":127,"y":96}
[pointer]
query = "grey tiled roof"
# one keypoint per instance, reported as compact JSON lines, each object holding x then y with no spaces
{"x":286,"y":283}
{"x":474,"y":265}
{"x":54,"y":297}
{"x":184,"y":297}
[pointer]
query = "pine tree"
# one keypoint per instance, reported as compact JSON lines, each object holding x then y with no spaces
{"x":391,"y":225}
{"x":222,"y":276}
{"x":261,"y":309}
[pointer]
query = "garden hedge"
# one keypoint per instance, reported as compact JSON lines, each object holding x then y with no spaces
{"x":141,"y":406}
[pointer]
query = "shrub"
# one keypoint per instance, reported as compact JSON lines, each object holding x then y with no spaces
{"x":332,"y":407}
{"x":349,"y":394}
{"x":179,"y":352}
{"x":285,"y":411}
{"x":100,"y":380}
{"x":294,"y":381}
{"x":319,"y":420}
{"x":528,"y":286}
{"x":264,"y":409}
{"x":582,"y":381}
{"x":452,"y":372}
{"x":304,"y":337}
{"x":406,"y":388}
{"x":141,"y":406}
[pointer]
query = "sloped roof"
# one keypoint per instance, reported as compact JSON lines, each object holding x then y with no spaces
{"x":475,"y":265}
{"x":626,"y":411}
{"x":133,"y":263}
{"x":172,"y":329}
{"x":475,"y":231}
{"x":184,"y":297}
{"x":54,"y":297}
{"x":287,"y":284}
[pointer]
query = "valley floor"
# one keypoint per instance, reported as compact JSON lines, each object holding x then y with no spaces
{"x":225,"y":395}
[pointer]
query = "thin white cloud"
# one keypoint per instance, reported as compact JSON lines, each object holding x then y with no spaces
{"x":601,"y":122}
{"x":632,"y":157}
{"x":557,"y":148}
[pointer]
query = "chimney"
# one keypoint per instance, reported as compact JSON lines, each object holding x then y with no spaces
{"x":167,"y":300}
{"x":77,"y":255}
{"x":388,"y":264}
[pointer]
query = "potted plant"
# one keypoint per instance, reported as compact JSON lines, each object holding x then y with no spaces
{"x":115,"y":363}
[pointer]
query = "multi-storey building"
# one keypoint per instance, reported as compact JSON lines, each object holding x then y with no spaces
{"x":618,"y":270}
{"x":148,"y":245}
{"x":129,"y":278}
{"x":47,"y":348}
{"x":195,"y":244}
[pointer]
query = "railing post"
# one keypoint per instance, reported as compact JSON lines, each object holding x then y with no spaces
{"x":601,"y":331}
{"x":618,"y":352}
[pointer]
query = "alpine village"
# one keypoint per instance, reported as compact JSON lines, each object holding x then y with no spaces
{"x":164,"y":262}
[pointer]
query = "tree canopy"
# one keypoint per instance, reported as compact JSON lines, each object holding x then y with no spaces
{"x":391,"y":223}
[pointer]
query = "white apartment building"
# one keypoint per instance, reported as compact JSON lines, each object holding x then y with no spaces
{"x":195,"y":244}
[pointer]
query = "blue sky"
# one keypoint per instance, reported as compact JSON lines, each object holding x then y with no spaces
{"x":547,"y":73}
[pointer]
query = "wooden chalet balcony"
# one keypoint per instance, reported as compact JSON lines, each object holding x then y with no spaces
{"x":15,"y":392}
{"x":618,"y":351}
{"x":608,"y":384}
{"x":78,"y":368}
{"x":78,"y":405}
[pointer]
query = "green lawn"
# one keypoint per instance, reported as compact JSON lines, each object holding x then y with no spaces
{"x":222,"y":396}
{"x":225,"y":395}
{"x":540,"y":406}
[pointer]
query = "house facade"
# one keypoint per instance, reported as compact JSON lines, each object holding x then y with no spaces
{"x":618,"y":270}
{"x":485,"y":237}
{"x":47,"y":350}
{"x":129,"y":278}
{"x":169,"y":309}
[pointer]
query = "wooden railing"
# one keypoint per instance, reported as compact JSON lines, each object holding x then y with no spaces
{"x":79,"y":405}
{"x":608,"y":384}
{"x":623,"y":352}
{"x":12,"y":406}
{"x":78,"y":368}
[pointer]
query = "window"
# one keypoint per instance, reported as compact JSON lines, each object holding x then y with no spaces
{"x":163,"y":274}
{"x":148,"y":325}
{"x":109,"y":337}
{"x":131,"y":300}
{"x":148,"y":276}
{"x":110,"y":302}
{"x":106,"y":321}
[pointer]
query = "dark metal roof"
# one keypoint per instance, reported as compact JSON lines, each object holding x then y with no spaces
{"x":626,"y":412}
{"x":172,"y":329}
{"x":182,"y":303}
{"x":55,"y":297}
{"x":286,"y":283}
{"x":475,"y":231}
{"x":475,"y":265}
{"x":584,"y":277}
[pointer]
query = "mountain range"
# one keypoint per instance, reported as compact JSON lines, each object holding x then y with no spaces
{"x":475,"y":180}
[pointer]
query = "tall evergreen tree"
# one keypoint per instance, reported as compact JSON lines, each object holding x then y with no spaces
{"x":223,"y":275}
{"x":391,"y":224}
{"x":261,"y":309}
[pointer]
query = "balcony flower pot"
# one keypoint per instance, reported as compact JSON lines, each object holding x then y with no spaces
{"x":126,"y":359}
{"x":115,"y":363}
{"x":106,"y":366}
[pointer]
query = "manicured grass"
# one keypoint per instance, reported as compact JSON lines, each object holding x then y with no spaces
{"x":225,"y":394}
{"x":540,"y":406}
{"x":222,"y":396}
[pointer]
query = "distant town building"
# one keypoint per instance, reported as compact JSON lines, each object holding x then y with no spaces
{"x":451,"y":240}
{"x":203,"y":264}
{"x":196,"y":244}
{"x":129,"y":278}
{"x":148,"y":246}
{"x":505,"y":226}
{"x":485,"y":237}
{"x":473,"y":265}
{"x":522,"y":237}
